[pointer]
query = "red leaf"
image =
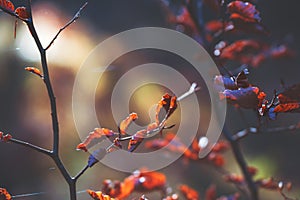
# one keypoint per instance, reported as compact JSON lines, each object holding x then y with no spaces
{"x":34,"y":71}
{"x":5,"y":138}
{"x":244,"y":11}
{"x":95,"y":137}
{"x":241,"y":50}
{"x":287,"y":107}
{"x":189,"y":193}
{"x":166,"y":106}
{"x":126,"y":122}
{"x":6,"y":4}
{"x":4,"y":194}
{"x":217,"y":159}
{"x":290,"y":94}
{"x":22,"y":12}
{"x":250,"y":97}
{"x":210,"y":193}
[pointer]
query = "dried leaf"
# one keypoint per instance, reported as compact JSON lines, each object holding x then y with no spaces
{"x":8,"y":5}
{"x":98,"y":195}
{"x":234,"y":178}
{"x":210,"y":193}
{"x":136,"y":140}
{"x":95,"y":137}
{"x":140,"y":180}
{"x":34,"y":71}
{"x":250,"y":97}
{"x":4,"y":137}
{"x":189,"y":193}
{"x":244,"y":11}
{"x":126,"y":122}
{"x":22,"y":13}
{"x":287,"y":107}
{"x":4,"y":194}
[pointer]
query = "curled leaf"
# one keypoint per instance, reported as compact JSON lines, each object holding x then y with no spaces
{"x":4,"y":194}
{"x":8,"y":5}
{"x":22,"y":13}
{"x":189,"y":193}
{"x":244,"y":11}
{"x":95,"y":137}
{"x":98,"y":195}
{"x":250,"y":97}
{"x":34,"y":71}
{"x":5,"y":137}
{"x":140,"y":180}
{"x":126,"y":122}
{"x":136,"y":140}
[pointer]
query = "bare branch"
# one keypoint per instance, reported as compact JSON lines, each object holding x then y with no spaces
{"x":76,"y":16}
{"x":31,"y":146}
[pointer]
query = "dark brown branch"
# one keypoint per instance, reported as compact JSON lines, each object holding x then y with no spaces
{"x":31,"y":146}
{"x":76,"y":16}
{"x":253,"y":193}
{"x":75,"y":178}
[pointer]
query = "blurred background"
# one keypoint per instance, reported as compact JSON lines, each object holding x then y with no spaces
{"x":25,"y":111}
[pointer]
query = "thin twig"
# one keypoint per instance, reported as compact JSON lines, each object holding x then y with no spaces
{"x":76,"y":16}
{"x":31,"y":146}
{"x":253,"y":193}
{"x":81,"y":173}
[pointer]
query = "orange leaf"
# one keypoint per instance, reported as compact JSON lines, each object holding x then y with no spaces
{"x":189,"y":193}
{"x":95,"y":137}
{"x":287,"y":107}
{"x":126,"y":122}
{"x":136,"y":139}
{"x":234,"y":178}
{"x":22,"y":12}
{"x":4,"y":194}
{"x":34,"y":71}
{"x":6,"y":4}
{"x":98,"y":195}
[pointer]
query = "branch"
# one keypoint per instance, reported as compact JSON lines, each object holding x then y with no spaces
{"x":31,"y":146}
{"x":76,"y":16}
{"x":80,"y":173}
{"x":252,"y":130}
{"x":242,"y":164}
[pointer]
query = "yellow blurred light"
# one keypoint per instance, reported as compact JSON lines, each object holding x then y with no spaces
{"x":69,"y":49}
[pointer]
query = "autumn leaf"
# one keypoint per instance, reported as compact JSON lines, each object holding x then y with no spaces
{"x":244,"y":11}
{"x":22,"y":13}
{"x":140,"y":180}
{"x":210,"y":193}
{"x":4,"y":194}
{"x":35,"y":71}
{"x":8,"y":5}
{"x":126,"y":122}
{"x":95,"y":137}
{"x":98,"y":195}
{"x":189,"y":193}
{"x":250,"y":98}
{"x":4,"y":137}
